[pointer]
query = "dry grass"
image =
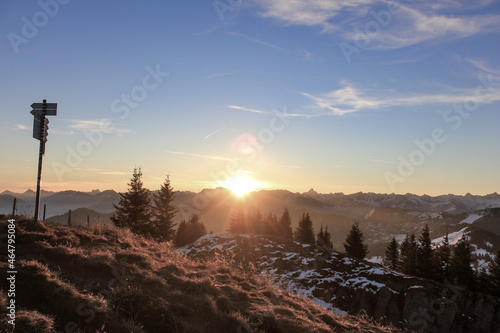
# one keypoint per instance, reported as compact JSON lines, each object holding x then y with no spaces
{"x":108,"y":280}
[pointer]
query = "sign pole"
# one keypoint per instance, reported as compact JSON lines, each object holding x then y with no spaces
{"x":40,"y":160}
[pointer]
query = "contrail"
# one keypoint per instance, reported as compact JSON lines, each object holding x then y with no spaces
{"x":220,"y":129}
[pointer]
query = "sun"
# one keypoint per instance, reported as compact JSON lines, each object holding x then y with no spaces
{"x":242,"y":185}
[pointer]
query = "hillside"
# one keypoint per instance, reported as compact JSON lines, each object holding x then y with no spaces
{"x":79,"y":217}
{"x":108,"y":280}
{"x":346,"y":285}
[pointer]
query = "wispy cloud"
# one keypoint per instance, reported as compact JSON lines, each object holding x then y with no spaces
{"x":381,"y":161}
{"x":21,"y":127}
{"x":212,"y":76}
{"x":212,"y":157}
{"x":255,"y":40}
{"x":242,"y":108}
{"x":317,"y":13}
{"x":104,"y":171}
{"x":411,"y":23}
{"x":349,"y":99}
{"x":89,"y":125}
{"x":484,"y":66}
{"x":282,"y":114}
{"x":411,"y":26}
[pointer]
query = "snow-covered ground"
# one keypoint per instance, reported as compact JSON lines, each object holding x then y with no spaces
{"x":471,"y":218}
{"x":453,"y":237}
{"x":303,"y":269}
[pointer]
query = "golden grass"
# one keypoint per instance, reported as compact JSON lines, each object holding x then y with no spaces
{"x":110,"y":280}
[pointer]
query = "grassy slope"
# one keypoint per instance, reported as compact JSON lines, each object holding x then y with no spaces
{"x":107,"y":280}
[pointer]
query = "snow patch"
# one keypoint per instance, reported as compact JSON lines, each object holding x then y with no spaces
{"x":375,"y":259}
{"x":367,"y":216}
{"x":471,"y":218}
{"x":453,"y":237}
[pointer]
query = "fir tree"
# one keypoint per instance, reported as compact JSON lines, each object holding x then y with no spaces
{"x":354,"y":243}
{"x":239,"y":222}
{"x":189,"y":232}
{"x":460,"y":263}
{"x":408,"y":255}
{"x":285,"y":226}
{"x":484,"y":282}
{"x":270,"y":225}
{"x":443,"y":254}
{"x":256,"y":223}
{"x":305,"y":232}
{"x":391,"y":257}
{"x":164,"y":212}
{"x":425,"y":264}
{"x":180,"y":235}
{"x":494,"y":274}
{"x":134,"y":208}
{"x":324,"y":239}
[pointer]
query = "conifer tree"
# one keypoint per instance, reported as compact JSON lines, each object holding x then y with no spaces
{"x":164,"y":212}
{"x":484,"y":282}
{"x":134,"y":208}
{"x":460,"y":263}
{"x":239,"y":222}
{"x":425,"y":264}
{"x":324,"y":239}
{"x":180,"y":235}
{"x":354,"y":243}
{"x":285,"y":226}
{"x":391,"y":257}
{"x":494,"y":274}
{"x":305,"y":232}
{"x":408,"y":255}
{"x":256,"y":223}
{"x":443,"y":254}
{"x":189,"y":232}
{"x":270,"y":225}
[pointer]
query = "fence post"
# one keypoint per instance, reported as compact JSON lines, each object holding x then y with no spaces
{"x":14,"y":208}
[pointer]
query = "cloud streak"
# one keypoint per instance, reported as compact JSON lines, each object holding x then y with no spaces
{"x":212,"y":157}
{"x":349,"y":99}
{"x":255,"y":40}
{"x":318,"y":13}
{"x":242,"y":108}
{"x":410,"y":22}
{"x":88,"y":125}
{"x":21,"y":127}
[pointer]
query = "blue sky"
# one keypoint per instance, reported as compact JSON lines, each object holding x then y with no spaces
{"x":339,"y":96}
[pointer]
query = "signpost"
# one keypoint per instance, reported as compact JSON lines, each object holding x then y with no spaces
{"x":40,"y":132}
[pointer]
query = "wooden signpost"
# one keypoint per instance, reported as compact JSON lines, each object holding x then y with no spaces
{"x":40,"y":132}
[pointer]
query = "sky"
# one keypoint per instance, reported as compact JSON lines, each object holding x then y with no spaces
{"x":339,"y":96}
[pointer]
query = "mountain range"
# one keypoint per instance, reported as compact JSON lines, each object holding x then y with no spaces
{"x":381,"y":216}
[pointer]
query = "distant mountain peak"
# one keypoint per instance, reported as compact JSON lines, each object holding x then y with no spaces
{"x":312,"y":192}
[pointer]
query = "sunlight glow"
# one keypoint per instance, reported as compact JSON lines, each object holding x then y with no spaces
{"x":241,"y":185}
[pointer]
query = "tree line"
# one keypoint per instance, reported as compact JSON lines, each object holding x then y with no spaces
{"x":153,"y":215}
{"x":443,"y":262}
{"x":243,"y":223}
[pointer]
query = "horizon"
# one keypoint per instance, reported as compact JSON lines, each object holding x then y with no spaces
{"x":256,"y":191}
{"x":342,"y":97}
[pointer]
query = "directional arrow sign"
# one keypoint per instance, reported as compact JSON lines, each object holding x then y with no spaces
{"x":51,"y":108}
{"x":47,"y":112}
{"x":37,"y":126}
